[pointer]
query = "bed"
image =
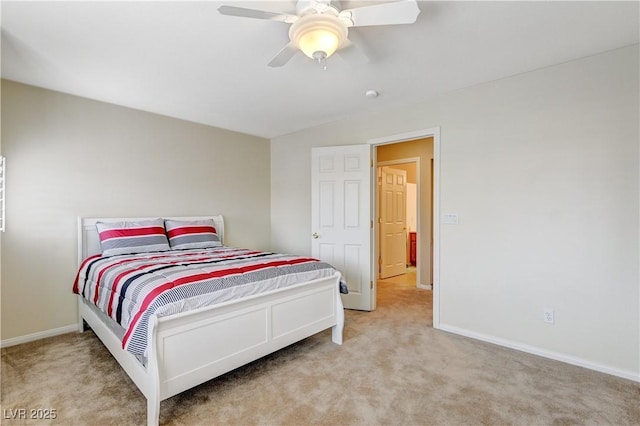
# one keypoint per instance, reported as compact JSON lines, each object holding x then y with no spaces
{"x":184,"y":349}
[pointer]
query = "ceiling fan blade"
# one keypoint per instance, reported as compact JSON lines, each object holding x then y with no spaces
{"x":257,"y":14}
{"x":352,"y":54}
{"x":400,"y":12}
{"x":284,"y":55}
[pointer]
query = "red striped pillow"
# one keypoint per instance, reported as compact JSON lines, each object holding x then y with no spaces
{"x":132,"y":237}
{"x":192,"y":234}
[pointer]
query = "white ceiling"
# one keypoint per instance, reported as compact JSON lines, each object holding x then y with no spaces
{"x":185,"y":60}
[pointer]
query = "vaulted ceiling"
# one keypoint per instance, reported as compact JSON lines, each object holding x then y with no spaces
{"x":186,"y":60}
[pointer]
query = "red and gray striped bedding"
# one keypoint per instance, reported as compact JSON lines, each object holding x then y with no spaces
{"x":130,"y":288}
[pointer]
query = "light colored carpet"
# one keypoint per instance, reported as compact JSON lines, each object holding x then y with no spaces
{"x":393,"y":369}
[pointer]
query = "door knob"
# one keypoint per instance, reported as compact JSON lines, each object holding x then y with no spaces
{"x":315,"y":235}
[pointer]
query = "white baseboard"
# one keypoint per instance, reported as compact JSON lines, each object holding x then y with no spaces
{"x":37,"y":336}
{"x":425,"y":286}
{"x":542,"y":352}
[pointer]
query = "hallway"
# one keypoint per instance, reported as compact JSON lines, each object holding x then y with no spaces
{"x":407,"y":279}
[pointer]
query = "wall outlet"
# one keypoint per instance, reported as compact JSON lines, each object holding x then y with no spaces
{"x":547,"y":315}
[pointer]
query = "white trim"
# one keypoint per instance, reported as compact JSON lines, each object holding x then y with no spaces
{"x":37,"y":336}
{"x":542,"y":352}
{"x":433,"y":132}
{"x":399,"y":161}
{"x":373,"y":216}
{"x":402,"y":137}
{"x":435,"y":210}
{"x":3,"y":193}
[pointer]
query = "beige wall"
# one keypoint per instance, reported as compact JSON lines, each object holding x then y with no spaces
{"x":410,"y":168}
{"x":542,"y":169}
{"x":69,"y":157}
{"x":423,"y":149}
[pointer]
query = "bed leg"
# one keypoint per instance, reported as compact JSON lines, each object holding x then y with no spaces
{"x":336,"y":330}
{"x":153,"y":395}
{"x":82,"y":324}
{"x":153,"y":412}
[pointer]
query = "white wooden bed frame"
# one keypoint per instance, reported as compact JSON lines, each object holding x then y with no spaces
{"x":184,"y":349}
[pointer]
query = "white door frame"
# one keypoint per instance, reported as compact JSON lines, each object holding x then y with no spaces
{"x":403,"y":137}
{"x":415,"y":160}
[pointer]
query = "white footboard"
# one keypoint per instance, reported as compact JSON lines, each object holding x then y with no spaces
{"x":188,"y":349}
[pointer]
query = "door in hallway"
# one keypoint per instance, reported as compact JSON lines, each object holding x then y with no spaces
{"x":393,"y":222}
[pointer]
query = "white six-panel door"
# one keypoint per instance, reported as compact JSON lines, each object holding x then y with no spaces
{"x":341,"y":216}
{"x":393,"y":222}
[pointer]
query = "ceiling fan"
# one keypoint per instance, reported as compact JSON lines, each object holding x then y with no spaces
{"x":321,"y":27}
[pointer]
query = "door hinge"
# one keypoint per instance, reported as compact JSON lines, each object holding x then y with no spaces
{"x":371,"y":284}
{"x":372,"y":224}
{"x":371,"y":162}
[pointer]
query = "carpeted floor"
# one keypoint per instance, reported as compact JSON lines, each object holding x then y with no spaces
{"x":393,"y":369}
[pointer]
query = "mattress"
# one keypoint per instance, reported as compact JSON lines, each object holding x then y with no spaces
{"x":129,"y":288}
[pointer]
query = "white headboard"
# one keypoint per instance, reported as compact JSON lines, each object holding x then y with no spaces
{"x":89,"y":241}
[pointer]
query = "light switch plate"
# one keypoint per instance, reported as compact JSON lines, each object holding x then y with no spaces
{"x":450,"y":218}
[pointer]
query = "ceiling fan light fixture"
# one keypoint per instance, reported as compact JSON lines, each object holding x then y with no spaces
{"x":318,"y":33}
{"x":318,"y":40}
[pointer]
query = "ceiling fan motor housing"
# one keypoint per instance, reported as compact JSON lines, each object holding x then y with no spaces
{"x":318,"y":32}
{"x":304,"y":7}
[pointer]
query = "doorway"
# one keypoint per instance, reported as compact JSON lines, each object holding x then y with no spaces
{"x":422,"y":148}
{"x":397,"y":213}
{"x":363,"y":268}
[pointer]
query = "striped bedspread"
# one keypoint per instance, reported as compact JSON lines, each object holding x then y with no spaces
{"x":130,"y":288}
